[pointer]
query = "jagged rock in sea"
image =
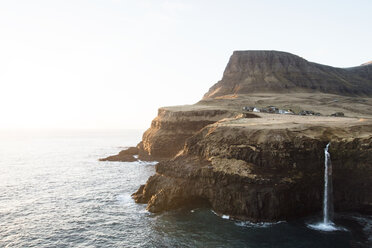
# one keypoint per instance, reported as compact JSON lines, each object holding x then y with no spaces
{"x":123,"y":156}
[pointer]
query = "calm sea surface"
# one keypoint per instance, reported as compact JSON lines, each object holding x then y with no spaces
{"x":55,"y":193}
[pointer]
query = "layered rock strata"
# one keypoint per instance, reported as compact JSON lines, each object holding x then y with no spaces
{"x":170,"y":129}
{"x":264,"y":167}
{"x":260,"y":170}
{"x":272,"y":71}
{"x":259,"y":78}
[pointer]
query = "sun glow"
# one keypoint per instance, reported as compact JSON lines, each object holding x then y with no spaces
{"x":83,"y":64}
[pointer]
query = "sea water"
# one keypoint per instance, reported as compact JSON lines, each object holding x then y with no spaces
{"x":55,"y":193}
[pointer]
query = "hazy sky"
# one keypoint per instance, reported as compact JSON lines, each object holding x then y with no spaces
{"x":112,"y":63}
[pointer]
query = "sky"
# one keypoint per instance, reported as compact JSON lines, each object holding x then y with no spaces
{"x":110,"y":64}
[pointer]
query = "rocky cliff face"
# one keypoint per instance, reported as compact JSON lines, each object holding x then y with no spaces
{"x":280,"y":72}
{"x":256,"y":72}
{"x":170,"y":129}
{"x":263,"y":167}
{"x":264,"y":172}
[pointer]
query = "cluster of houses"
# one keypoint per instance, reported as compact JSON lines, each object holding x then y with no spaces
{"x":275,"y":110}
{"x":269,"y":109}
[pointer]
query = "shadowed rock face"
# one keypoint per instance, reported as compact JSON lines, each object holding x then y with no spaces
{"x":281,"y":72}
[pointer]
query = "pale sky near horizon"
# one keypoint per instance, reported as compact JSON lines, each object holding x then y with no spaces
{"x":112,"y":63}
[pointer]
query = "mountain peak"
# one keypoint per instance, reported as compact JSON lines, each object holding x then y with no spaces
{"x":262,"y":71}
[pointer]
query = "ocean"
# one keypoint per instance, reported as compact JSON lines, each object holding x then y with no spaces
{"x":55,"y":193}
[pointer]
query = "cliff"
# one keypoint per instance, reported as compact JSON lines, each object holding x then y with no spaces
{"x":173,"y":125}
{"x":280,"y":72}
{"x":256,"y":166}
{"x":266,"y":170}
{"x":258,"y":78}
{"x":170,"y":129}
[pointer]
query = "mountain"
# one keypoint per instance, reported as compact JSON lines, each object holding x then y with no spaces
{"x":281,"y":72}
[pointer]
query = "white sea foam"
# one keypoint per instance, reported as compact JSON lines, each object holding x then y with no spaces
{"x":146,"y":162}
{"x":258,"y":224}
{"x":248,"y":223}
{"x":223,"y":216}
{"x":124,"y":199}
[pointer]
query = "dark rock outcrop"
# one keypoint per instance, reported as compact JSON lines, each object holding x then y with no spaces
{"x":123,"y":156}
{"x":280,"y":72}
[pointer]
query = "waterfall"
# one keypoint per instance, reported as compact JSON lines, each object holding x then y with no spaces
{"x":327,"y":224}
{"x":327,"y":200}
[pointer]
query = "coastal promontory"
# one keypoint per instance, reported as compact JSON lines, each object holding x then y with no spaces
{"x":253,"y":147}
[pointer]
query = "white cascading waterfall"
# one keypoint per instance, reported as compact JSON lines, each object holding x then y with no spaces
{"x":327,"y":199}
{"x":327,"y":224}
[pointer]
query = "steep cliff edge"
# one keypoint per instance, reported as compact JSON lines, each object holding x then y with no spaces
{"x":266,"y":169}
{"x":170,"y":129}
{"x":173,"y":125}
{"x":280,"y":72}
{"x":258,"y":78}
{"x":263,"y":167}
